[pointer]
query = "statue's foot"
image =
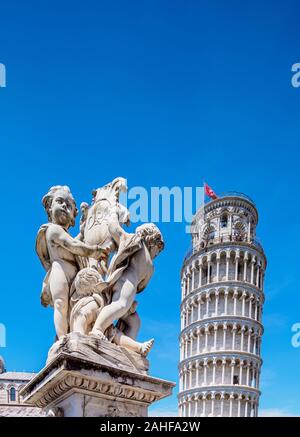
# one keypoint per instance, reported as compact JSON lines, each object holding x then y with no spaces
{"x":98,"y":333}
{"x":146,"y":346}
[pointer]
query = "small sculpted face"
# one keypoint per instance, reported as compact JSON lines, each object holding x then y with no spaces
{"x":63,"y":210}
{"x":156,"y":248}
{"x":153,"y":238}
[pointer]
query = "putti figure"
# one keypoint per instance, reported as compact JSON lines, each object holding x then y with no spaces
{"x":92,"y":280}
{"x":57,"y":251}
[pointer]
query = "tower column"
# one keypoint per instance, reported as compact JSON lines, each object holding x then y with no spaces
{"x":215,"y":335}
{"x":205,"y":372}
{"x":250,"y":306}
{"x":243,"y":302}
{"x":189,"y":406}
{"x":256,"y":308}
{"x":245,"y":266}
{"x":237,"y":257}
{"x":196,"y":407}
{"x":200,"y":273}
{"x":235,"y":296}
{"x":214,"y":371}
{"x":246,"y":408}
{"x":249,"y":232}
{"x":248,"y":375}
{"x":188,"y":282}
{"x":241,"y":372}
{"x":230,"y":404}
{"x":217,"y":302}
{"x":193,"y":276}
{"x":198,"y":340}
{"x":234,"y":328}
{"x":257,"y":276}
{"x":224,"y":335}
{"x":249,"y":339}
{"x":222,"y":404}
{"x":191,"y":344}
{"x":218,"y":267}
{"x":242,"y":337}
{"x":199,"y":308}
{"x":204,"y":406}
{"x":213,"y":404}
{"x":232,"y":369}
{"x":197,"y":373}
{"x":223,"y":371}
{"x":206,"y":337}
{"x":190,"y":367}
{"x":226,"y":302}
{"x":253,"y":260}
{"x":209,"y":272}
{"x":227,"y":265}
{"x":207,"y":303}
{"x":239,"y":406}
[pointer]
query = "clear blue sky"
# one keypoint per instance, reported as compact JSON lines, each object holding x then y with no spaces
{"x":163,"y":93}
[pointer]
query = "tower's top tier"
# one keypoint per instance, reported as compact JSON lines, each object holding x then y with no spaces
{"x":230,"y":218}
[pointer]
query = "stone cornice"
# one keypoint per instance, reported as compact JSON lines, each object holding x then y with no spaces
{"x":222,"y":319}
{"x":231,"y":245}
{"x":228,"y":354}
{"x":67,"y":373}
{"x":209,"y":389}
{"x":241,"y":285}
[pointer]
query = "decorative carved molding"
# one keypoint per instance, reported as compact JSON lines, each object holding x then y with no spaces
{"x":90,"y":385}
{"x":68,"y":374}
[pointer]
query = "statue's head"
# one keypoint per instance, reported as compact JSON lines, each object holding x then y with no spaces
{"x":60,"y":206}
{"x":84,"y":206}
{"x":87,"y":281}
{"x":153,"y":238}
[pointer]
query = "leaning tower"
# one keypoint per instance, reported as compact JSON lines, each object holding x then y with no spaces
{"x":221,"y":311}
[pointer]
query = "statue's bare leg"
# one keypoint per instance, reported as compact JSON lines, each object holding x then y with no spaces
{"x":127,"y":342}
{"x":123,"y":296}
{"x":146,"y":346}
{"x":133,"y":324}
{"x":116,"y":230}
{"x":59,"y":288}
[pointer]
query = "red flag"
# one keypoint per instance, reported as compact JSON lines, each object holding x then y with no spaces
{"x":209,"y":191}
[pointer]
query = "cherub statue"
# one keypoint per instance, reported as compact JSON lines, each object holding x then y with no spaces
{"x":57,"y":251}
{"x":87,"y":294}
{"x":129,"y":272}
{"x":88,"y":298}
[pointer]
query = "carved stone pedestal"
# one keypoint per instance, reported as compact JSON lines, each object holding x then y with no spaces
{"x":88,"y":377}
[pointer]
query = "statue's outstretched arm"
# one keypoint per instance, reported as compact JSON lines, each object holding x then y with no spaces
{"x":115,"y":229}
{"x":75,"y":246}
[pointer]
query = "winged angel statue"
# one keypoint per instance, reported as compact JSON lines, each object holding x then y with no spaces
{"x":92,"y":280}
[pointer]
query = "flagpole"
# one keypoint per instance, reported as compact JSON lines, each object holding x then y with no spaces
{"x":202,"y":208}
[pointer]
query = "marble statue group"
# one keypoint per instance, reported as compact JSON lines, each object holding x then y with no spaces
{"x":92,"y":280}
